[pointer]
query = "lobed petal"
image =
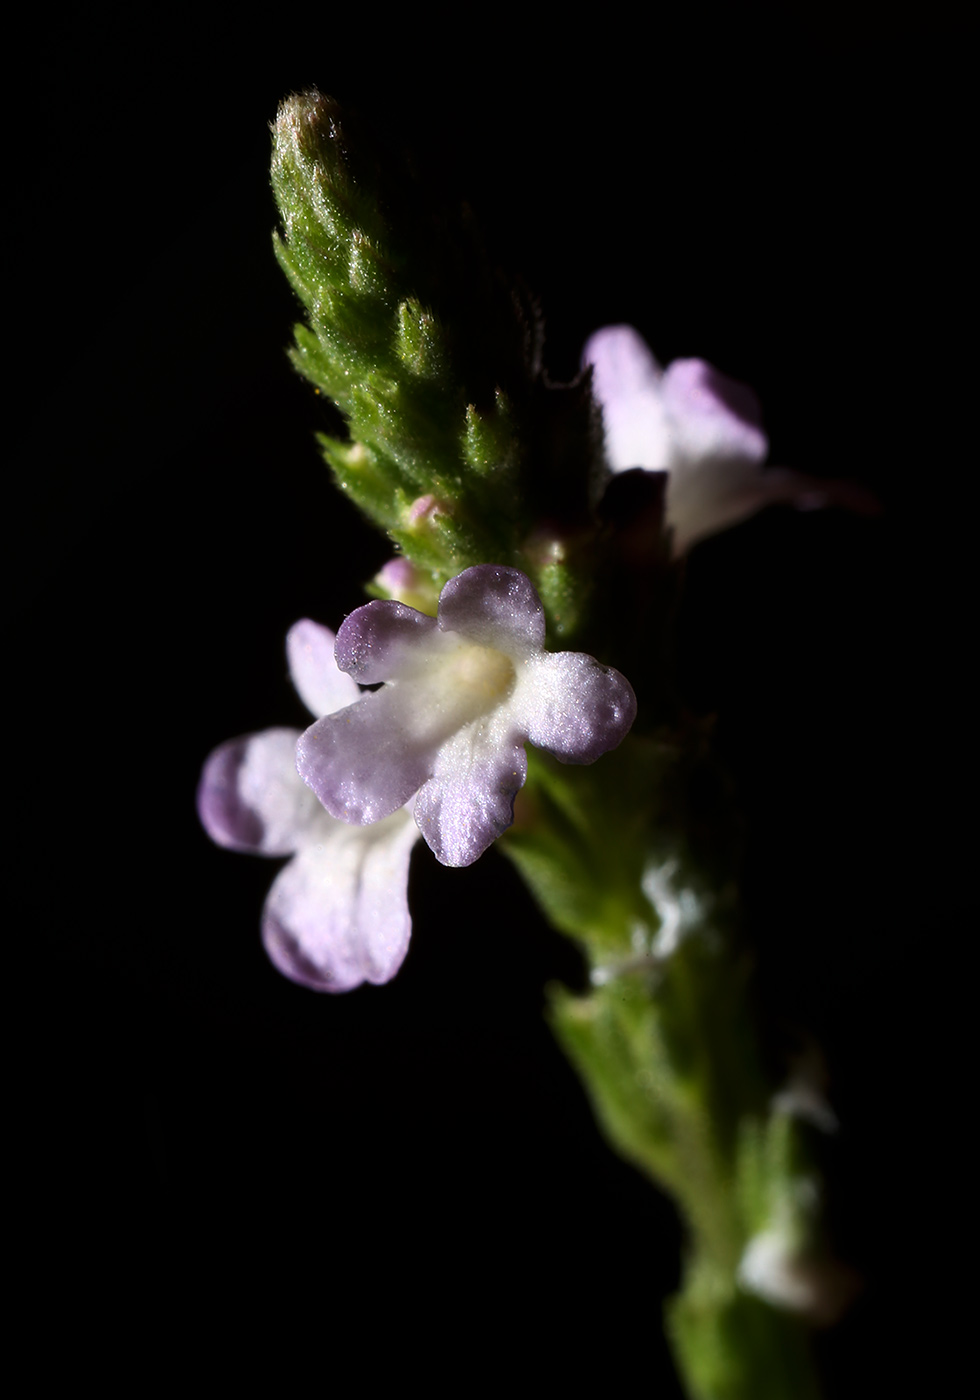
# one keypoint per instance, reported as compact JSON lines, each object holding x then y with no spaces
{"x":626,"y":380}
{"x":337,"y":915}
{"x":469,"y":801}
{"x":494,"y":606}
{"x":572,"y":706}
{"x":710,"y":416}
{"x":250,"y":797}
{"x":381,"y":641}
{"x":365,"y":762}
{"x":321,"y":686}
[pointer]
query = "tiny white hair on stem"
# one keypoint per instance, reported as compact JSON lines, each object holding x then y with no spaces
{"x":679,"y":911}
{"x":771,"y":1269}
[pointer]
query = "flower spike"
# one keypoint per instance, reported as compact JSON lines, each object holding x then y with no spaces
{"x":465,"y":691}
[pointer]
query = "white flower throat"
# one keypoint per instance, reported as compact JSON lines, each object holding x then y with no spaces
{"x":483,"y":675}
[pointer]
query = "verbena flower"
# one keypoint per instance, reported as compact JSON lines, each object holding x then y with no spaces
{"x":701,"y":428}
{"x":464,"y":692}
{"x":337,"y":914}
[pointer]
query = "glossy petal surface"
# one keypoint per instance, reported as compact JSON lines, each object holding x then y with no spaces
{"x":380,"y":641}
{"x":469,"y":800}
{"x":495,"y":607}
{"x":366,"y":761}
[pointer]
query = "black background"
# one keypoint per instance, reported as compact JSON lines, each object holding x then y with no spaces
{"x":411,"y":1173}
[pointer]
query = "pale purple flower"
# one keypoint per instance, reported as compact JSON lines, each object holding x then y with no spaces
{"x":337,"y":914}
{"x":701,"y":428}
{"x":464,"y":693}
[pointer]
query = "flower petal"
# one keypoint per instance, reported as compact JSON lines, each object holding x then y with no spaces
{"x":337,"y":915}
{"x":365,"y":762}
{"x":469,"y":801}
{"x":381,"y":641}
{"x":250,"y":797}
{"x":571,"y":705}
{"x":321,"y":686}
{"x":710,"y":415}
{"x":626,"y":380}
{"x":495,"y":607}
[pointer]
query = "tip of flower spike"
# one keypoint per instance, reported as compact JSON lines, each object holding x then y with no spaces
{"x":310,"y":123}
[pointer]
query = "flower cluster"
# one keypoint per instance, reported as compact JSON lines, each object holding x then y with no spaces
{"x":464,"y":692}
{"x":442,"y":740}
{"x":704,"y":431}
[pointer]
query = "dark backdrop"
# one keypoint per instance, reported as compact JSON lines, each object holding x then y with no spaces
{"x":413,"y":1170}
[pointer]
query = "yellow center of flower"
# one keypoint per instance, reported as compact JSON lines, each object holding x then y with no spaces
{"x":481,"y":674}
{"x":460,"y":683}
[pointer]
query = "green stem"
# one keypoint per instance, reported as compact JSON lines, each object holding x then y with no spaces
{"x":665,"y":1044}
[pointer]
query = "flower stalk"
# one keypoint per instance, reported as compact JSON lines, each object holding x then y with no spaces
{"x":665,"y":1044}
